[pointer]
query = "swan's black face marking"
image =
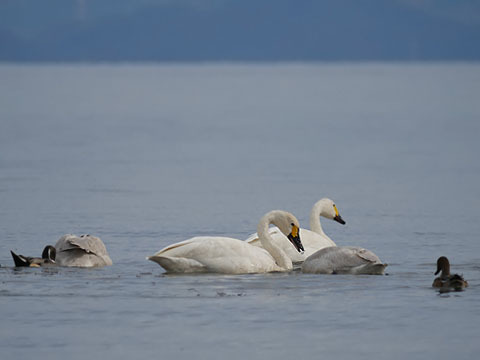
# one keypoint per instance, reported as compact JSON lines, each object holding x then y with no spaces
{"x":294,"y":238}
{"x":337,"y":216}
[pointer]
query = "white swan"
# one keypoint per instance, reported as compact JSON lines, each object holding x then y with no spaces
{"x":313,"y":240}
{"x":81,"y":251}
{"x":231,"y":256}
{"x":344,"y":260}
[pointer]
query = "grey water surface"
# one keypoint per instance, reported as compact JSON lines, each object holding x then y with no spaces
{"x":146,"y":155}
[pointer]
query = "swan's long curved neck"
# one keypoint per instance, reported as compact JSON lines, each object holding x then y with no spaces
{"x":315,"y":225}
{"x":268,"y":244}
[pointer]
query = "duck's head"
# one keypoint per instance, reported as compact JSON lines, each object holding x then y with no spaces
{"x":329,"y":210}
{"x":443,"y":265}
{"x":49,"y":253}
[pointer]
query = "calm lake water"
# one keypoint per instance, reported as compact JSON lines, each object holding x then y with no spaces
{"x":143,"y":156}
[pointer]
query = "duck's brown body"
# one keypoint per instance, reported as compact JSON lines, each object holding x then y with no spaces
{"x":446,"y":281}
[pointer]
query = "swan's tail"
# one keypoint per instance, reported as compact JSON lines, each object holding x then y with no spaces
{"x":178,"y":265}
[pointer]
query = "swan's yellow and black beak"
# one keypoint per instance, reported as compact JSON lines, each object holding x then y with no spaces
{"x":337,"y":217}
{"x":294,"y":238}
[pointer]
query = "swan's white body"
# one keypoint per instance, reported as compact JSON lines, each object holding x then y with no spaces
{"x":81,"y":251}
{"x":312,"y":240}
{"x":344,"y":260}
{"x":230,"y":256}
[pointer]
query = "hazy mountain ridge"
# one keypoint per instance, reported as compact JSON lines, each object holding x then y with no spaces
{"x":245,"y":30}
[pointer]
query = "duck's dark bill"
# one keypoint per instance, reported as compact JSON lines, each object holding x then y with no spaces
{"x":339,"y":219}
{"x":295,"y":240}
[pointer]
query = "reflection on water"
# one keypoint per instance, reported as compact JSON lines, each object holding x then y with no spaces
{"x":144,"y":156}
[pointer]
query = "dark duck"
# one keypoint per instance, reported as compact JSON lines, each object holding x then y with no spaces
{"x":447,"y":282}
{"x":47,"y":259}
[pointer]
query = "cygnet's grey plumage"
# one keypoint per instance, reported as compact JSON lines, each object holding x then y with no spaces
{"x":81,"y":251}
{"x":344,"y":260}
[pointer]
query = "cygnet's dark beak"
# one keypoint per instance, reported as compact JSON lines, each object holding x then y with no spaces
{"x":294,"y":238}
{"x":339,"y":219}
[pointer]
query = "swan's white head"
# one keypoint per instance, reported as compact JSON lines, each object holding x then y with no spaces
{"x":329,"y":210}
{"x":288,"y":225}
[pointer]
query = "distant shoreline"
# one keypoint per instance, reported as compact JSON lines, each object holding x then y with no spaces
{"x":219,"y":63}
